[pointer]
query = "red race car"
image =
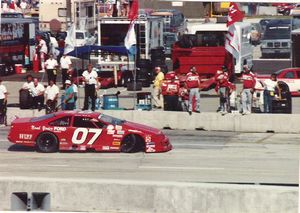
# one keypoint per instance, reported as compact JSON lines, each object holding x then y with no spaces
{"x":81,"y":131}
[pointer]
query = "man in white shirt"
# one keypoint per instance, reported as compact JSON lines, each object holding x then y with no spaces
{"x":269,"y":92}
{"x":43,"y":51}
{"x":37,"y":92}
{"x":29,"y":82}
{"x":3,"y":101}
{"x":66,"y":66}
{"x":51,"y":65}
{"x":51,"y":94}
{"x":23,"y":6}
{"x":91,"y":80}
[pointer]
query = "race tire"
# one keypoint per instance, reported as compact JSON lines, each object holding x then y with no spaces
{"x":132,"y":143}
{"x":47,"y":142}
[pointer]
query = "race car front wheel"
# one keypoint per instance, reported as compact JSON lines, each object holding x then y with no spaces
{"x":132,"y":143}
{"x":47,"y":142}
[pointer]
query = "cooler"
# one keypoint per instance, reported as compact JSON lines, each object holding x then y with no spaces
{"x":110,"y":102}
{"x":18,"y":68}
{"x":144,"y":101}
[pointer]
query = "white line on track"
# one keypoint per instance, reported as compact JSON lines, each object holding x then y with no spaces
{"x":180,"y":168}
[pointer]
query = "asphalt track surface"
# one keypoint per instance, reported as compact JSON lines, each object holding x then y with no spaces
{"x":198,"y":156}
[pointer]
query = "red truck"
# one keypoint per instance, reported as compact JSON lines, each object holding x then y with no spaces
{"x":204,"y":48}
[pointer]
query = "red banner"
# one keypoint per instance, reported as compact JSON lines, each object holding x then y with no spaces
{"x":234,"y":14}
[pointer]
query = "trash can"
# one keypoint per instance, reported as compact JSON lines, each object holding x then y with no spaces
{"x":110,"y":102}
{"x":144,"y":101}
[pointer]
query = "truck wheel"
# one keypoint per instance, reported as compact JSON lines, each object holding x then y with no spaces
{"x":47,"y":142}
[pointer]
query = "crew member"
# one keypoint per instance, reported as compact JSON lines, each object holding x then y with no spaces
{"x":248,"y":80}
{"x":193,"y":84}
{"x":51,"y":66}
{"x":157,"y":96}
{"x":29,"y":82}
{"x":69,"y":96}
{"x":51,"y":94}
{"x":184,"y":96}
{"x":66,"y":67}
{"x":91,"y":81}
{"x":3,"y":102}
{"x":37,"y":92}
{"x":269,"y":92}
{"x":43,"y":51}
{"x":222,"y":82}
{"x":170,"y":90}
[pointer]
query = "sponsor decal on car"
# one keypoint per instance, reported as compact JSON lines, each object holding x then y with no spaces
{"x":148,"y":138}
{"x":150,"y":147}
{"x":118,"y":127}
{"x":110,"y":127}
{"x":105,"y":147}
{"x":116,"y":143}
{"x":25,"y":136}
{"x":47,"y":128}
{"x":110,"y":132}
{"x":59,"y":129}
{"x":114,"y":148}
{"x":117,"y":136}
{"x":120,"y":132}
{"x":133,"y":130}
{"x":35,"y":127}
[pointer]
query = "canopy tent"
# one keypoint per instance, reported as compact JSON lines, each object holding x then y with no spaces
{"x":84,"y":52}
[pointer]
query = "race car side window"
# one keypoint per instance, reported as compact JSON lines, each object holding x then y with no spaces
{"x":289,"y":75}
{"x":83,"y":122}
{"x":64,"y":121}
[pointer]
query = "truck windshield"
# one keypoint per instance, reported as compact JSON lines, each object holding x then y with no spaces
{"x":277,"y":32}
{"x":111,"y":36}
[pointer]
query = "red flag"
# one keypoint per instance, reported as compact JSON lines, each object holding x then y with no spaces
{"x":134,"y":10}
{"x":234,"y":14}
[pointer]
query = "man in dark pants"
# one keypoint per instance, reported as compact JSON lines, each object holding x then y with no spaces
{"x":91,"y":81}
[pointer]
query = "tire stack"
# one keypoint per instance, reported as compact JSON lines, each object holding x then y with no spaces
{"x":144,"y":72}
{"x":158,"y":59}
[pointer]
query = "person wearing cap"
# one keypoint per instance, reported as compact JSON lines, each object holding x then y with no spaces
{"x":193,"y":84}
{"x":222,"y":84}
{"x":69,"y":96}
{"x":3,"y":101}
{"x":157,"y":93}
{"x":66,"y":66}
{"x":51,"y":66}
{"x":248,"y":80}
{"x":51,"y":93}
{"x":90,"y":77}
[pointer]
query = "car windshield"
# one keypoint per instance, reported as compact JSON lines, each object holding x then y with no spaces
{"x":111,"y":120}
{"x":41,"y":118}
{"x":277,"y":32}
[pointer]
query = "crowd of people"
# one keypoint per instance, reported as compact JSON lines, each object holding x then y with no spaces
{"x":174,"y":94}
{"x":22,"y":6}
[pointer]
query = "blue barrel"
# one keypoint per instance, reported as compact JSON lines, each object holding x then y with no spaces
{"x":144,"y":101}
{"x":110,"y":102}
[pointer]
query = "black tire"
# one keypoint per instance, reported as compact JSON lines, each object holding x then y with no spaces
{"x":132,"y":143}
{"x":47,"y":142}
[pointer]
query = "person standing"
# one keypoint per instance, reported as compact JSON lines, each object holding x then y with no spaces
{"x":269,"y":92}
{"x":51,"y":66}
{"x":37,"y":92}
{"x":222,"y":82}
{"x":23,"y":6}
{"x":91,"y":80}
{"x":69,"y":96}
{"x":51,"y":94}
{"x":157,"y":93}
{"x":66,"y":66}
{"x":43,"y":51}
{"x":3,"y":102}
{"x":193,"y":84}
{"x":248,"y":80}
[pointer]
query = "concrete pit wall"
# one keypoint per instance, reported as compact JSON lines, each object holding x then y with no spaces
{"x":160,"y":197}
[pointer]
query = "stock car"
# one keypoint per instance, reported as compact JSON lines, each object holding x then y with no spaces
{"x":85,"y":130}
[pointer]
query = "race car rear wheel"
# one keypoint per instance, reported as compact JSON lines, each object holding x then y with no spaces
{"x":132,"y":143}
{"x":47,"y":142}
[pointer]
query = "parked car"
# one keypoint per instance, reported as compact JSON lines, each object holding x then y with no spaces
{"x":285,"y":8}
{"x":276,"y":41}
{"x":290,"y":76}
{"x":85,"y":130}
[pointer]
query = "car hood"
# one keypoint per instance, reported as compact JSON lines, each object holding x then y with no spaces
{"x":141,"y":127}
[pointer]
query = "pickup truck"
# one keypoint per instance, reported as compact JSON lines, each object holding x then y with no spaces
{"x":291,"y":76}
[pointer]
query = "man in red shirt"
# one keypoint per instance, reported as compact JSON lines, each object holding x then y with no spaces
{"x":193,"y":83}
{"x":222,"y":83}
{"x":170,"y":89}
{"x":248,"y":79}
